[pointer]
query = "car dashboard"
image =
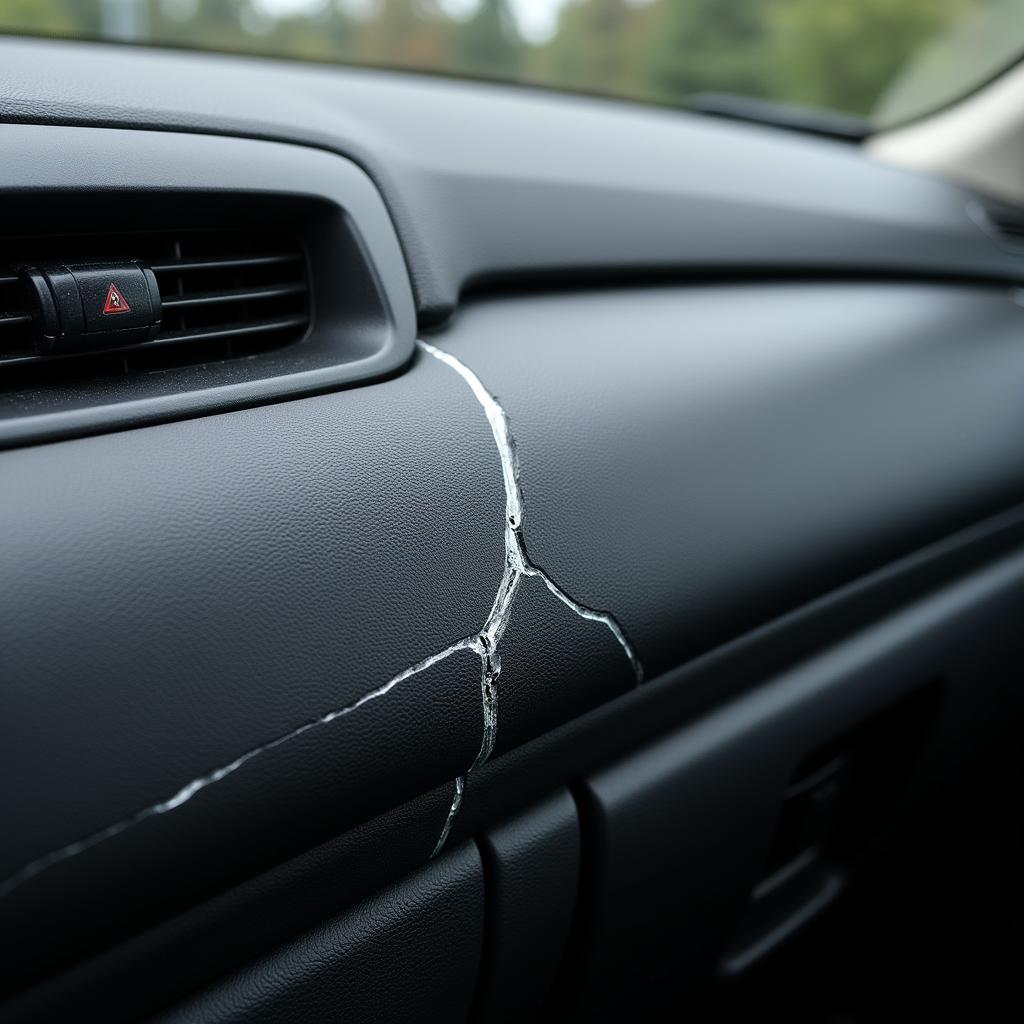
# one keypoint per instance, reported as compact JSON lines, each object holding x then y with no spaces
{"x":558,"y":590}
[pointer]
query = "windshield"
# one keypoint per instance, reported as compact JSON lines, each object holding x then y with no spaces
{"x":884,"y":60}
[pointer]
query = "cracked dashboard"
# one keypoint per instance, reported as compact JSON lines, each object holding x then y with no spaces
{"x":685,"y":406}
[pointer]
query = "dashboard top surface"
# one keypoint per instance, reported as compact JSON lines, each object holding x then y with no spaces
{"x":489,"y":182}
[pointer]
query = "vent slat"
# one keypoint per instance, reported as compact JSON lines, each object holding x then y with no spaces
{"x":216,"y":333}
{"x":225,"y":294}
{"x":6,"y":361}
{"x":227,"y":263}
{"x":1005,"y":222}
{"x":181,"y":337}
{"x":218,"y":298}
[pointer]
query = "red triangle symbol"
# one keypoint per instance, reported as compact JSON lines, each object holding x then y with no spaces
{"x":116,"y":302}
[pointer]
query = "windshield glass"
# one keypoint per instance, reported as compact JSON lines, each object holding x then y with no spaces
{"x":885,"y":60}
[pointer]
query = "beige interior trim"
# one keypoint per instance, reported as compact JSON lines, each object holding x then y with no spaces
{"x":979,"y":142}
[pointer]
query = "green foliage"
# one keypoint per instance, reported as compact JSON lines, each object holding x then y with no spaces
{"x":487,"y":43}
{"x":403,"y":33}
{"x":709,"y":46}
{"x":596,"y":47}
{"x":843,"y":55}
{"x":60,"y":17}
{"x":839,"y":54}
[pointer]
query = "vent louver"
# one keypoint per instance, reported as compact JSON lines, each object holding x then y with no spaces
{"x":1002,"y":221}
{"x":224,"y":294}
{"x":15,"y":319}
{"x":249,"y":272}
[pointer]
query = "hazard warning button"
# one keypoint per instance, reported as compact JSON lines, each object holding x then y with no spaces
{"x":115,"y":297}
{"x":86,"y":306}
{"x":116,"y":302}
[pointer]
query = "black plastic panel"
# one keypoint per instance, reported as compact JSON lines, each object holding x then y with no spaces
{"x":218,"y":937}
{"x":699,"y":462}
{"x":532,"y":865}
{"x":490,"y":182}
{"x":702,"y":460}
{"x":215,"y":584}
{"x":707,"y":464}
{"x":409,"y":953}
{"x":681,"y":834}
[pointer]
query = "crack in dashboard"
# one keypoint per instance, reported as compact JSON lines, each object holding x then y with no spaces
{"x":484,"y":644}
{"x":517,"y":567}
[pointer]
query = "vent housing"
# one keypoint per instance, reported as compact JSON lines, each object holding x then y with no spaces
{"x":280,"y":271}
{"x":225,"y":294}
{"x":1002,"y":221}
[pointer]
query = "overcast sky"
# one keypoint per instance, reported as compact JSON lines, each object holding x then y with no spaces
{"x":536,"y":17}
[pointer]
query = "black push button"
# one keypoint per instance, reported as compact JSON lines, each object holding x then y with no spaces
{"x":115,"y":297}
{"x":83,"y":307}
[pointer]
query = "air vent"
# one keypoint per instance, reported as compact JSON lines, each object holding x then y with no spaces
{"x":1005,"y":223}
{"x":15,"y":318}
{"x":235,"y":272}
{"x":224,"y":294}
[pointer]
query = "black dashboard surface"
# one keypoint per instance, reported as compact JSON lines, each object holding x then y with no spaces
{"x":483,"y":183}
{"x":247,"y":573}
{"x":187,"y":605}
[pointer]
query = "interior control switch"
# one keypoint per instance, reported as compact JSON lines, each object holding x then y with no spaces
{"x":87,"y":306}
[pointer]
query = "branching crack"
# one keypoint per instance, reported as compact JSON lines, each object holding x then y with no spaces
{"x":484,"y":644}
{"x":190,"y":789}
{"x":517,"y":567}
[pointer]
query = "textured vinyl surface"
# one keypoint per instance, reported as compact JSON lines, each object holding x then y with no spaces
{"x":176,"y":596}
{"x":694,"y":461}
{"x":214,"y":631}
{"x":533,"y":863}
{"x":713,"y":457}
{"x":409,"y":953}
